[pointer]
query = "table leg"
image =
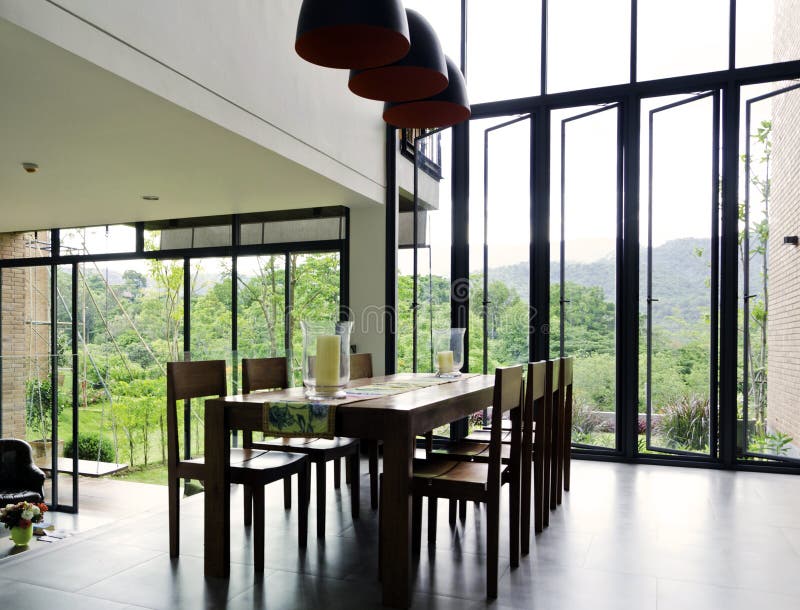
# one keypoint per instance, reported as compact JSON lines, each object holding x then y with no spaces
{"x":396,"y":523}
{"x":217,"y":519}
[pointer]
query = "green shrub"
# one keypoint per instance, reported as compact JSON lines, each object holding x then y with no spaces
{"x":38,"y":401}
{"x":685,"y":424}
{"x":584,"y":420}
{"x":87,"y":448}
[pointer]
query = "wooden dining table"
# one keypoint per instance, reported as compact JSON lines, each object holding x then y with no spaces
{"x":395,"y":419}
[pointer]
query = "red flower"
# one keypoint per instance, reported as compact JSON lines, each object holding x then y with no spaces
{"x":23,"y":523}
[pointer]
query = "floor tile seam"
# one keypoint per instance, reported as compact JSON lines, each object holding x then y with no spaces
{"x":759,"y":590}
{"x":39,"y":552}
{"x":76,"y":593}
{"x":121,"y":571}
{"x":717,"y":584}
{"x":793,"y":546}
{"x":588,"y":549}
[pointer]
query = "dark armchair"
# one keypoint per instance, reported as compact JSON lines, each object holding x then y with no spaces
{"x":20,"y":479}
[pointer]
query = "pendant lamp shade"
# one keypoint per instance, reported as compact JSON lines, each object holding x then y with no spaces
{"x":355,"y":34}
{"x":421,"y":73}
{"x":447,"y":108}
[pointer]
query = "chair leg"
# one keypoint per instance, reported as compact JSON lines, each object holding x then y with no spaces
{"x":373,"y":474}
{"x":536,"y":499}
{"x":321,"y":483}
{"x":514,"y":520}
{"x":453,"y":505}
{"x":492,"y":546}
{"x":525,"y":504}
{"x":347,"y":469}
{"x":355,"y":484}
{"x":433,"y":505}
{"x":303,"y":483}
{"x":416,"y":520}
{"x":337,"y":473}
{"x":287,"y":492}
{"x":380,"y":519}
{"x":462,"y":510}
{"x":248,"y":506}
{"x":567,"y":446}
{"x":561,"y":457}
{"x":174,"y":516}
{"x":258,"y":528}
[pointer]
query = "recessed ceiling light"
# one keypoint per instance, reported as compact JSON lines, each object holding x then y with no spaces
{"x":150,"y":197}
{"x":31,"y":168}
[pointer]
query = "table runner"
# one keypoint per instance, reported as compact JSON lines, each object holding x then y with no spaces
{"x":300,"y":418}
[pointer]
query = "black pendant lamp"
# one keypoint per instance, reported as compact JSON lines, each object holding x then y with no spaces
{"x":354,"y":34}
{"x":421,"y":73}
{"x":447,"y":108}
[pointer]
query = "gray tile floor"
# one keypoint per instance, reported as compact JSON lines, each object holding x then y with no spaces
{"x":626,"y":537}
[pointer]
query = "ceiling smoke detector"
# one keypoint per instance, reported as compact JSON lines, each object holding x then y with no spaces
{"x":31,"y":168}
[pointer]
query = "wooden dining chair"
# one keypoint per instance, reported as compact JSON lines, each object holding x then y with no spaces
{"x":272,"y":374}
{"x":535,"y":424}
{"x":481,"y":481}
{"x":361,"y":368}
{"x":534,"y":418}
{"x":249,"y":467}
{"x":553,"y":441}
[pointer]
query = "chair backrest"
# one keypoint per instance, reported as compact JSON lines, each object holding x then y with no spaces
{"x":16,"y":459}
{"x":508,"y":396}
{"x":535,"y":394}
{"x":187,"y":380}
{"x":264,"y":374}
{"x":360,"y":366}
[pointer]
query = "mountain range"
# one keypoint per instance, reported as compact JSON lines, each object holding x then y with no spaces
{"x":681,"y":279}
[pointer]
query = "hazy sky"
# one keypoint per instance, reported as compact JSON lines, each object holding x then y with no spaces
{"x":676,"y":37}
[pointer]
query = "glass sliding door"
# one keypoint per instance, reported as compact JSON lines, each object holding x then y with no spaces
{"x":424,"y":229}
{"x":314,"y":293}
{"x":66,"y":414}
{"x":261,"y":306}
{"x":210,"y":311}
{"x":768,"y":412}
{"x":679,"y":301}
{"x":506,"y":318}
{"x":129,"y":322}
{"x":31,"y":401}
{"x":587,"y":184}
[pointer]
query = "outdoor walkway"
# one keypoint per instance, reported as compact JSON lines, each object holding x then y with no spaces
{"x":627,"y":538}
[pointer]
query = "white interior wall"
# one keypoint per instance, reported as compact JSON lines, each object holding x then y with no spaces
{"x":368,"y":282}
{"x":232,"y":63}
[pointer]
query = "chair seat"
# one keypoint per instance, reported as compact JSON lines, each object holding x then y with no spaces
{"x":310,"y":445}
{"x":250,"y":465}
{"x":471,"y":449}
{"x":13,"y":496}
{"x":451,"y":471}
{"x":484,"y":436}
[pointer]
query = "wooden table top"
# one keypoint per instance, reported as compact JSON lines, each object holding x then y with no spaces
{"x":415,"y":411}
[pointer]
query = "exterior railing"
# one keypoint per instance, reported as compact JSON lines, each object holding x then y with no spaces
{"x":430,"y":149}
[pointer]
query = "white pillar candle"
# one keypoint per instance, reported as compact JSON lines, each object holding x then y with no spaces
{"x":445,"y":361}
{"x":327,"y":362}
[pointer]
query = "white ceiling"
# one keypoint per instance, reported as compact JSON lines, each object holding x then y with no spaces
{"x":102,"y":142}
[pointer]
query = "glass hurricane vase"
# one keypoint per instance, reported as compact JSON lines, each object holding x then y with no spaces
{"x":326,"y":358}
{"x":448,"y":345}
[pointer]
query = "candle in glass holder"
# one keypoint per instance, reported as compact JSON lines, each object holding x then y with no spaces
{"x":445,"y":361}
{"x":327,"y":361}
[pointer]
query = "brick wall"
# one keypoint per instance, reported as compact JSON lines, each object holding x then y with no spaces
{"x":20,"y":304}
{"x":783,"y":330}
